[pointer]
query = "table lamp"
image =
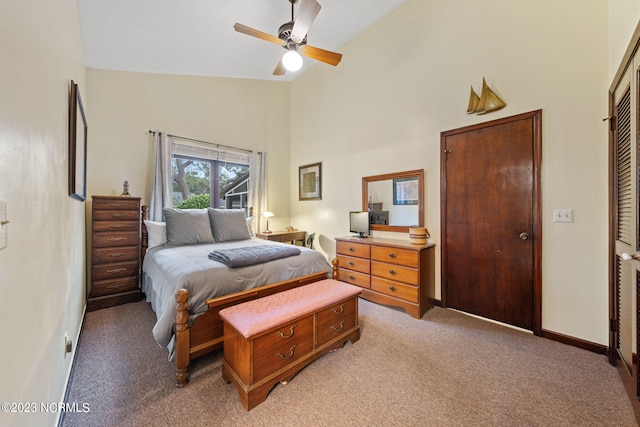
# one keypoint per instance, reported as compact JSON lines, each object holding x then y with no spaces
{"x":266,"y":216}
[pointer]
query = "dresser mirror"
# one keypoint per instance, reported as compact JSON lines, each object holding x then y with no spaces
{"x":394,"y":200}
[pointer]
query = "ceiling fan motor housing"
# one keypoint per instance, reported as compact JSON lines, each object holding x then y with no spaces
{"x":284,"y":33}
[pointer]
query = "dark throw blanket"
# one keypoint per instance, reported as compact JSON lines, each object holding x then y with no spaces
{"x":241,"y":257}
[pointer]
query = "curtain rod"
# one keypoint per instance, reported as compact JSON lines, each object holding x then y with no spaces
{"x":204,"y":142}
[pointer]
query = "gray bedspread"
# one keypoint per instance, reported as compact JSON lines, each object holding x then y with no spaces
{"x":167,"y":269}
{"x":242,"y":257}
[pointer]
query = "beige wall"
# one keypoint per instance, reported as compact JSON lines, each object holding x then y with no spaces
{"x":241,"y":113}
{"x":623,"y":19}
{"x":42,"y":269}
{"x":407,"y":79}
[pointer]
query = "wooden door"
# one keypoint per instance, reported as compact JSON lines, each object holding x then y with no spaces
{"x":491,"y":228}
{"x":624,"y":227}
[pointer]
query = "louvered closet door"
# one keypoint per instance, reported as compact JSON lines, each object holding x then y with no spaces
{"x":625,"y":151}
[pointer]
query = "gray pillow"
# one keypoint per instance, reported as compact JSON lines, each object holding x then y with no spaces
{"x":187,"y":226}
{"x":228,"y":224}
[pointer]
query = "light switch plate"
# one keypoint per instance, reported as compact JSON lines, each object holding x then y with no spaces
{"x":563,"y":215}
{"x":3,"y":224}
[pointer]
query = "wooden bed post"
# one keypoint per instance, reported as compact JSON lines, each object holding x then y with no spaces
{"x":334,"y":268}
{"x":182,"y":339}
{"x":144,"y":234}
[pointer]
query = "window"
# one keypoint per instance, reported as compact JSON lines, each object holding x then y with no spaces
{"x":208,"y":176}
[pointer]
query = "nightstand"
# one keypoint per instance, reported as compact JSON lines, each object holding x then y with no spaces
{"x":285,"y":236}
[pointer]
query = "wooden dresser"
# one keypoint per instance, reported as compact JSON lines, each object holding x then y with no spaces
{"x":115,"y":251}
{"x":392,"y":272}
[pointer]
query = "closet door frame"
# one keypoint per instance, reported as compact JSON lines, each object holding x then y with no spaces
{"x":628,"y":74}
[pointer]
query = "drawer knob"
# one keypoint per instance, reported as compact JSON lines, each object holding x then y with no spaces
{"x":338,"y":310}
{"x":289,"y":356}
{"x":351,"y":263}
{"x":392,"y":288}
{"x":338,"y":328}
{"x":352,"y":278}
{"x":392,"y":255}
{"x":392,"y":272}
{"x":352,"y":249}
{"x":281,"y":334}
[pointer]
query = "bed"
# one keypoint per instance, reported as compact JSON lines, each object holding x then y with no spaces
{"x":187,"y":289}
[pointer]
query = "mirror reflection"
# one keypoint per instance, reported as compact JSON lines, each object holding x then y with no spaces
{"x":394,"y":200}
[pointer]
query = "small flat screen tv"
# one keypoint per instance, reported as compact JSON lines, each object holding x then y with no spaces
{"x":359,"y":223}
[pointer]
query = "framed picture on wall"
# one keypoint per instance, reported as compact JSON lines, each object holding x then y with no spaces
{"x":77,"y":145}
{"x":310,"y":182}
{"x":405,"y":191}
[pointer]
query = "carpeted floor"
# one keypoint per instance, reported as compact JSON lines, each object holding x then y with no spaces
{"x":445,"y":369}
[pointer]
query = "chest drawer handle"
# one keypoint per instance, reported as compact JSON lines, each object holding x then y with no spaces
{"x":392,"y":272}
{"x":116,"y":239}
{"x":117,"y":205}
{"x":116,"y":255}
{"x":289,"y":356}
{"x":338,"y":328}
{"x":281,"y":334}
{"x":352,"y":278}
{"x":116,"y":270}
{"x":352,"y":249}
{"x":116,"y":226}
{"x":392,"y":288}
{"x":351,"y":263}
{"x":115,"y":287}
{"x":392,"y":255}
{"x":339,"y":310}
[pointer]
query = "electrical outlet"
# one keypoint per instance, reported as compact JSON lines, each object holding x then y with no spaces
{"x":3,"y":224}
{"x":68,"y":344}
{"x":563,"y":215}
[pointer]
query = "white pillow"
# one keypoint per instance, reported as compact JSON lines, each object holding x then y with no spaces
{"x":156,"y":233}
{"x":250,"y":226}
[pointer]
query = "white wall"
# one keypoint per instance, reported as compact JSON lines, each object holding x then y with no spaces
{"x":408,"y":78}
{"x":124,"y":106}
{"x":42,"y":269}
{"x":623,"y":19}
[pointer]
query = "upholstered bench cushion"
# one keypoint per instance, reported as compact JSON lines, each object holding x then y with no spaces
{"x":256,"y":316}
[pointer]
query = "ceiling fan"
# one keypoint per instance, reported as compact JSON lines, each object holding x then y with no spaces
{"x":293,"y":37}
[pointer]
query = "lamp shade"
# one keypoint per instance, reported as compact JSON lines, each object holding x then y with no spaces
{"x":292,"y":60}
{"x":267,"y":214}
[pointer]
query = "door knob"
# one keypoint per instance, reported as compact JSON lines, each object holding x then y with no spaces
{"x":524,"y":236}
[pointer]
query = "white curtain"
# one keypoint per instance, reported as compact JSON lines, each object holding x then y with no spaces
{"x":161,"y":188}
{"x":257,"y":187}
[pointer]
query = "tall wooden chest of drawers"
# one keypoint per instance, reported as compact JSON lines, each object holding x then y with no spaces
{"x":391,"y":272}
{"x":115,"y":251}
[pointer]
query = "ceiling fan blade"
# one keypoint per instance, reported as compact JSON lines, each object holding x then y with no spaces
{"x":279,"y":70}
{"x":325,"y":56}
{"x":259,"y":34}
{"x":307,"y":13}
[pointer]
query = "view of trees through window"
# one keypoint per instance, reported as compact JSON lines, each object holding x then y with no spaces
{"x":202,"y":183}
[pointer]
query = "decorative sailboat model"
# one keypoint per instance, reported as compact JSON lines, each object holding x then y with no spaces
{"x":487,"y":102}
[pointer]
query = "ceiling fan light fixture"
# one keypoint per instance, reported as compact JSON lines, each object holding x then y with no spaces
{"x":292,"y":60}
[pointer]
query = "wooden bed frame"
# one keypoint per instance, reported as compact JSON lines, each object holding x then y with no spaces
{"x":205,"y":333}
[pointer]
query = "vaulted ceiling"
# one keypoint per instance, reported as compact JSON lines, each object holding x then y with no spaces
{"x":196,"y":37}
